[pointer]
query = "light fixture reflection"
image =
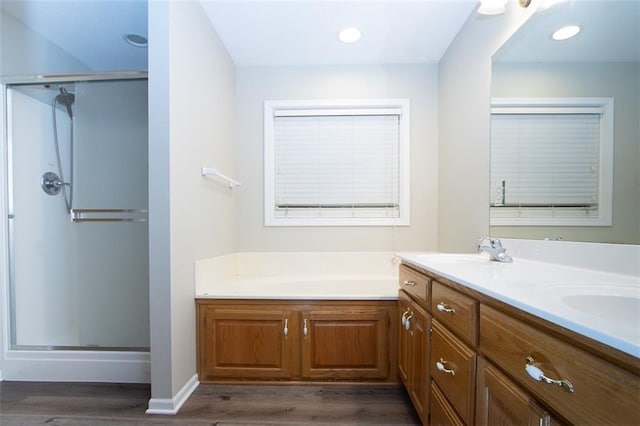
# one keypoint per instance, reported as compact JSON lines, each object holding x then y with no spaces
{"x":492,"y":7}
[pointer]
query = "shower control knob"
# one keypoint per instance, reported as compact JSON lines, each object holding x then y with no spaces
{"x":51,"y":183}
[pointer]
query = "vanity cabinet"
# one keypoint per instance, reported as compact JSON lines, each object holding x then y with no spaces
{"x":296,"y":341}
{"x":413,"y":350}
{"x":453,"y":350}
{"x":588,"y":389}
{"x":453,"y":371}
{"x":484,"y":353}
{"x":502,"y":402}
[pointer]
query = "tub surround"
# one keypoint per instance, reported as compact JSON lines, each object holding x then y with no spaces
{"x":553,"y":280}
{"x":298,"y":276}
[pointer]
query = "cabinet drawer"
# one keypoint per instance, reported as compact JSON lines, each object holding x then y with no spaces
{"x":453,"y":368}
{"x":457,"y":311}
{"x":442,"y":414}
{"x":415,"y":283}
{"x":601,"y":391}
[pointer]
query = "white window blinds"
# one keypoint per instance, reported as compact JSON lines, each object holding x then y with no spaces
{"x":342,"y":166}
{"x":551,"y":161}
{"x":336,"y":165}
{"x":545,"y":160}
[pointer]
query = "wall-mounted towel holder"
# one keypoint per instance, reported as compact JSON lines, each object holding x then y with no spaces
{"x":212,"y":171}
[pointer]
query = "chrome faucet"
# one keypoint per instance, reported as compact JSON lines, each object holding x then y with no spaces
{"x":495,"y":249}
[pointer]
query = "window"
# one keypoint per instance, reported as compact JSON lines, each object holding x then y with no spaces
{"x":551,"y":161}
{"x":337,"y":163}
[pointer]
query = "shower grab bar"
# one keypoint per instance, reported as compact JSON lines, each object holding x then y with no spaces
{"x":109,"y":215}
{"x":212,"y":171}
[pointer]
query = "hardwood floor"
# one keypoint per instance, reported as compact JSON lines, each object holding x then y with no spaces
{"x":75,"y":404}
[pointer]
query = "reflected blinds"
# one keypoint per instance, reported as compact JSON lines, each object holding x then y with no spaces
{"x":545,"y":160}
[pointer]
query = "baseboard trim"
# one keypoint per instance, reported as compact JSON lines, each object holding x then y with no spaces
{"x":171,"y":406}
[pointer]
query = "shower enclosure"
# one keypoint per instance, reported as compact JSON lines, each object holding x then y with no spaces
{"x":76,"y":196}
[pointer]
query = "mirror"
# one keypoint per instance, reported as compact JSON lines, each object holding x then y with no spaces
{"x":602,"y":61}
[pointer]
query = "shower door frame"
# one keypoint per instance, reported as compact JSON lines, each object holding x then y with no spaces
{"x":52,"y":363}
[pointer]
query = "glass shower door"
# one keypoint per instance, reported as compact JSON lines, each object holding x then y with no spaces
{"x":79,"y":271}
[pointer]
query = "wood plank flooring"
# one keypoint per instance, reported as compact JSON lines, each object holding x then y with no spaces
{"x":76,"y":404}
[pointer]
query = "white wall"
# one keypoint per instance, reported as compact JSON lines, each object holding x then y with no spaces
{"x":465,"y":96}
{"x":191,"y":115}
{"x":24,"y":52}
{"x":620,"y":81}
{"x":254,"y":85}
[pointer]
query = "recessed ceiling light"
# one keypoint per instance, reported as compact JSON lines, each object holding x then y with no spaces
{"x":566,"y":32}
{"x":136,"y":40}
{"x":349,"y":35}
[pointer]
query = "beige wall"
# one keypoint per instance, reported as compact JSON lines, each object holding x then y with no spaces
{"x":254,"y":85}
{"x":618,"y":80}
{"x":191,"y":84}
{"x":464,"y":108}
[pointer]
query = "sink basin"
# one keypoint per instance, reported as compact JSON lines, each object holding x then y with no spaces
{"x":620,"y":309}
{"x":618,"y":303}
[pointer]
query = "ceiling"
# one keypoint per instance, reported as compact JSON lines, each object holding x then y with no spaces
{"x":305,"y":32}
{"x":90,"y":30}
{"x":257,"y":32}
{"x":610,"y":33}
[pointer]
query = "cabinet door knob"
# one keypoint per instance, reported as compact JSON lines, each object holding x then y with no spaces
{"x":441,"y":366}
{"x":537,"y":374}
{"x":286,"y":327}
{"x":442,"y":307}
{"x":409,"y":283}
{"x":304,"y":327}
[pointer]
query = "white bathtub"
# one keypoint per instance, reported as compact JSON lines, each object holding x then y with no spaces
{"x":296,"y":276}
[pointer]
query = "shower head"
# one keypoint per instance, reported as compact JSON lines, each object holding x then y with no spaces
{"x":67,"y":99}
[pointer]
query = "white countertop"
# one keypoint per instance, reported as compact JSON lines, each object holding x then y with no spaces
{"x":601,"y":305}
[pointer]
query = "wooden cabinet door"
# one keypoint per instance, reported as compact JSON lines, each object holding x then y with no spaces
{"x":247,"y":343}
{"x":502,"y":402}
{"x":404,"y":359}
{"x":345,"y":343}
{"x":418,"y":383}
{"x":442,"y":413}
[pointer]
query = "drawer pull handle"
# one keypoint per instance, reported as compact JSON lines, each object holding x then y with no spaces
{"x":407,"y":323}
{"x":538,"y":375}
{"x":305,"y":330}
{"x":286,"y":327}
{"x":442,"y":307}
{"x":409,"y":282}
{"x":440,"y":365}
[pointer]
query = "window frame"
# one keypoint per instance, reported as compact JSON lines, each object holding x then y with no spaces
{"x":517,"y":216}
{"x":345,"y":108}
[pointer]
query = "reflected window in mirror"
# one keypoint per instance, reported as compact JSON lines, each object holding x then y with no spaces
{"x":551,"y":161}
